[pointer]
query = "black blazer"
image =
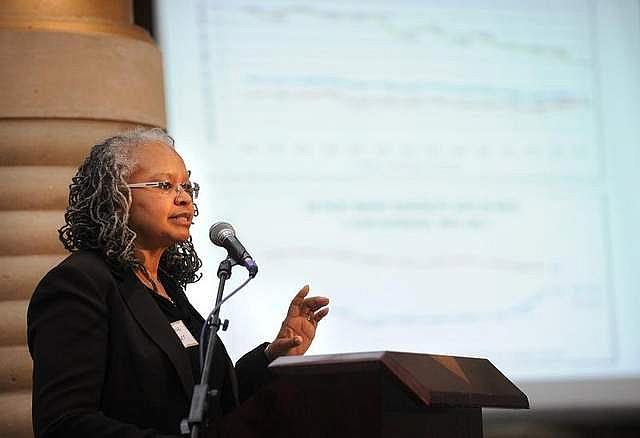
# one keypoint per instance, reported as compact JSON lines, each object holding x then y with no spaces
{"x":106,"y":361}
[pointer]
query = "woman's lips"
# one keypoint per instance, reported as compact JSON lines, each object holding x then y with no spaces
{"x":181,"y":219}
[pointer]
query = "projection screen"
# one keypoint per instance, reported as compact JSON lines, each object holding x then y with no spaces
{"x":459,"y":177}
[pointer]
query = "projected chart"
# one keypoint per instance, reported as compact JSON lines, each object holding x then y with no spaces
{"x":476,"y":273}
{"x":438,"y":170}
{"x":402,"y":91}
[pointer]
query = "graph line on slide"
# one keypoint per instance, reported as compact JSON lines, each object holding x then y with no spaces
{"x":516,"y":309}
{"x":357,"y":91}
{"x":423,"y":32}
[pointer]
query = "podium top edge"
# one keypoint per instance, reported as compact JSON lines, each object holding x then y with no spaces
{"x":363,"y":356}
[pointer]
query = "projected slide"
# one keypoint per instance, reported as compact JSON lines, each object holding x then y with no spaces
{"x":439,"y":169}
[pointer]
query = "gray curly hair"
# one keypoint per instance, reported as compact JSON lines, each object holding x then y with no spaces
{"x":99,"y":202}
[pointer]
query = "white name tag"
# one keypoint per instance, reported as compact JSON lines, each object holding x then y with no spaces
{"x":184,"y":334}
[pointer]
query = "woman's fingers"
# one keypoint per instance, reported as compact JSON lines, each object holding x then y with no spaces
{"x":287,"y":343}
{"x":299,"y":327}
{"x":314,"y":303}
{"x":320,"y":314}
{"x":299,"y":297}
{"x":301,"y":305}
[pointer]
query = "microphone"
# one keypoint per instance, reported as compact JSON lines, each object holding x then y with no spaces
{"x":222,"y":234}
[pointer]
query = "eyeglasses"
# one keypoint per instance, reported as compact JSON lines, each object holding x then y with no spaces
{"x":191,"y":188}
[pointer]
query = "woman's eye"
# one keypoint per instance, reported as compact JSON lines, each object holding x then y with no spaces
{"x":166,"y":185}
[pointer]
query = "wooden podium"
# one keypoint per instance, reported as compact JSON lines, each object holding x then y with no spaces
{"x":376,"y":394}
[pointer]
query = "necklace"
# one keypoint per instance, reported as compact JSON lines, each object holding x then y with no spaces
{"x":147,"y":278}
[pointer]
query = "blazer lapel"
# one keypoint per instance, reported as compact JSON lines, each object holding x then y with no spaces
{"x":154,"y":323}
{"x":233,"y":380}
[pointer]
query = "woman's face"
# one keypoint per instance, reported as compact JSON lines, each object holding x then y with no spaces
{"x":159,"y":217}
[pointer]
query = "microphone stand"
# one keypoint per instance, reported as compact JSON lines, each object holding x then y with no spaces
{"x":202,"y":396}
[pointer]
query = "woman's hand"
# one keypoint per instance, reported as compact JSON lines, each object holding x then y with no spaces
{"x":299,"y":327}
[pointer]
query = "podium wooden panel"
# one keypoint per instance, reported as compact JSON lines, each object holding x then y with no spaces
{"x":376,"y":394}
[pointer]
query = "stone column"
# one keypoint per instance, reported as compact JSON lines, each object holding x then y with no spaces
{"x":71,"y":72}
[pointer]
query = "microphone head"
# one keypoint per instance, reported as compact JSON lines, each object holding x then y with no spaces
{"x":220,"y":231}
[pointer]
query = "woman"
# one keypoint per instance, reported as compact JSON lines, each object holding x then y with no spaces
{"x":103,"y":325}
